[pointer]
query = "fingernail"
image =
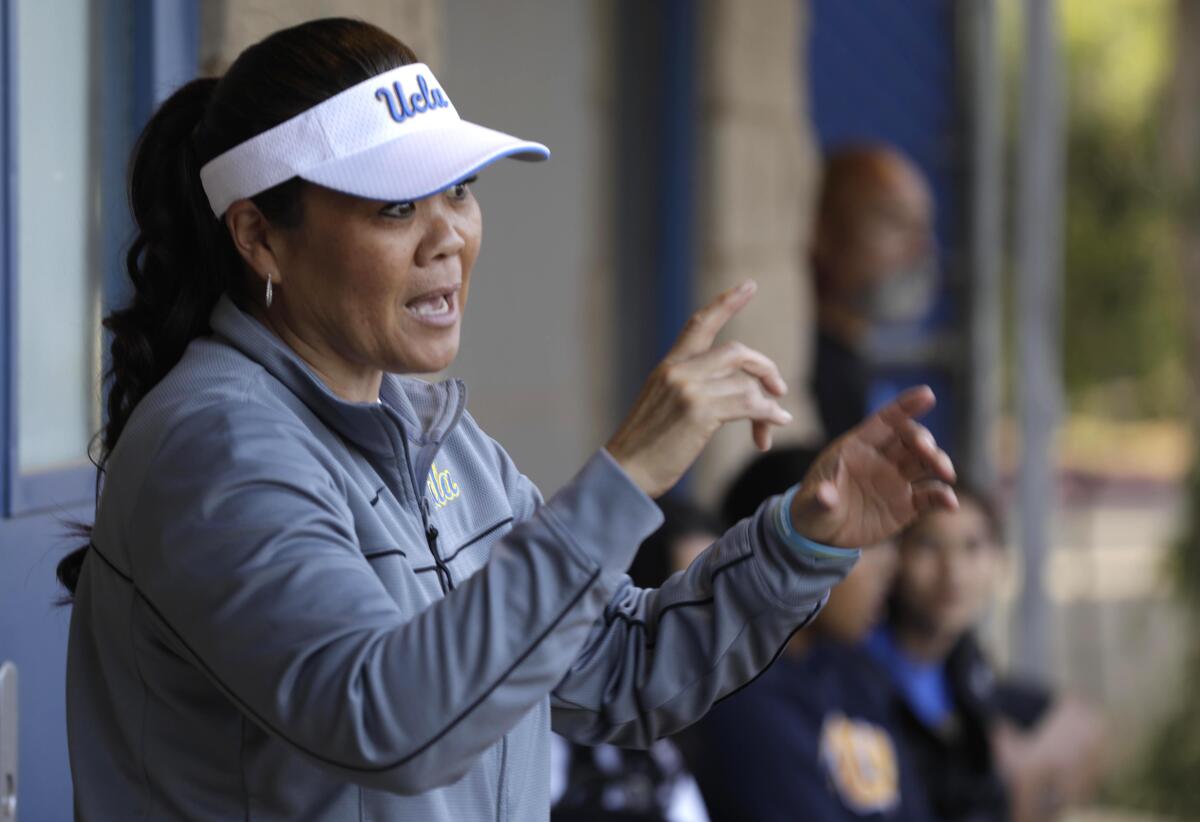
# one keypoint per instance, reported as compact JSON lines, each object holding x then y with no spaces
{"x":745,"y":288}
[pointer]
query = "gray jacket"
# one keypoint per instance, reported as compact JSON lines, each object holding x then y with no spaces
{"x":300,"y":608}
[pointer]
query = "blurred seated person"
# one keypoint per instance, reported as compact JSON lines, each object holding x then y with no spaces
{"x":872,"y":259}
{"x":810,"y":738}
{"x":610,"y":784}
{"x":988,"y":748}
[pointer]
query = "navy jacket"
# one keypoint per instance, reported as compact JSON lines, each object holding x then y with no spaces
{"x":955,"y":759}
{"x":812,"y":738}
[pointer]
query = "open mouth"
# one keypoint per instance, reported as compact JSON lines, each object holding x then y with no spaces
{"x":439,"y":307}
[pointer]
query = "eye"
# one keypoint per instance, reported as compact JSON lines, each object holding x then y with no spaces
{"x":921,"y":546}
{"x":401,"y":210}
{"x":459,"y":191}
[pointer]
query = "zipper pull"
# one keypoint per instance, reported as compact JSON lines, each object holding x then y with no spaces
{"x":431,"y":535}
{"x":431,"y":531}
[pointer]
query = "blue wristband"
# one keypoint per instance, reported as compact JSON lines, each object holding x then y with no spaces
{"x":783,"y":524}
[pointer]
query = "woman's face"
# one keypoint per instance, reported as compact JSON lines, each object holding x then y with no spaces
{"x":379,"y":286}
{"x":949,"y":564}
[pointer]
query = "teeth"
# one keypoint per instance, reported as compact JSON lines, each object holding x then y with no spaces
{"x":432,"y":307}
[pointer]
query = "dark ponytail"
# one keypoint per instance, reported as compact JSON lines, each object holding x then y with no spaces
{"x":182,"y":258}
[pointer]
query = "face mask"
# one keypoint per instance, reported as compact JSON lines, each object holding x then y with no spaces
{"x":904,"y":296}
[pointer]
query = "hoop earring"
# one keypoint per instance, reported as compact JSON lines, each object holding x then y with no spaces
{"x":269,"y":294}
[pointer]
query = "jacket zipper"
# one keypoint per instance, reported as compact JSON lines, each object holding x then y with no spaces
{"x":431,"y":535}
{"x":501,"y":787}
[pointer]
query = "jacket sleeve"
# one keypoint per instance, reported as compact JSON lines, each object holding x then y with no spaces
{"x":659,"y":658}
{"x":243,"y":550}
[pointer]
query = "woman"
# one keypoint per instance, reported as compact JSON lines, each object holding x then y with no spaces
{"x":987,"y":747}
{"x":316,"y":589}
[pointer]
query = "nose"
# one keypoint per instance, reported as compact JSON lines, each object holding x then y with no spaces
{"x":953,"y":570}
{"x":442,"y":237}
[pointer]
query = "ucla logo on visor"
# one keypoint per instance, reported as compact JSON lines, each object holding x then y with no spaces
{"x":401,"y":107}
{"x":395,"y":136}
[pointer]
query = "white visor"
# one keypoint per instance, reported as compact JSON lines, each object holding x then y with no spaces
{"x":394,"y":137}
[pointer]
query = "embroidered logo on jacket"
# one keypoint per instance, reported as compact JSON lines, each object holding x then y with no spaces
{"x":442,"y":489}
{"x":860,"y":759}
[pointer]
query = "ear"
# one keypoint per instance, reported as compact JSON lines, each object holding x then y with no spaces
{"x":255,"y":239}
{"x":823,"y":246}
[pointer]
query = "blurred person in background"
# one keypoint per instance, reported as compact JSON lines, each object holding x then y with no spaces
{"x":811,"y":737}
{"x":987,"y":747}
{"x":605,"y":783}
{"x":873,"y":260}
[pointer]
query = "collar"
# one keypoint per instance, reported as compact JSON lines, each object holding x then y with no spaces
{"x":925,"y":686}
{"x":424,"y":412}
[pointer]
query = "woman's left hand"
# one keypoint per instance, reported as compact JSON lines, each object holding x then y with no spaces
{"x":874,"y":480}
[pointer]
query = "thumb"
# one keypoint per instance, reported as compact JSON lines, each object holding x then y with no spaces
{"x":817,"y":501}
{"x":827,"y":496}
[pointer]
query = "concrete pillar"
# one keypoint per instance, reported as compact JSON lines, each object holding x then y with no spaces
{"x":229,"y":26}
{"x":758,"y":184}
{"x":1039,"y":210}
{"x":538,"y":334}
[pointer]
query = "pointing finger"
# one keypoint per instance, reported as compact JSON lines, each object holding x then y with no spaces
{"x":881,"y":426}
{"x":698,"y":335}
{"x":915,"y":452}
{"x":933,"y":495}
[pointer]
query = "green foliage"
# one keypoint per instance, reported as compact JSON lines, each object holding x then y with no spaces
{"x":1123,"y":300}
{"x":1125,"y":303}
{"x":1123,"y":297}
{"x":1163,"y":778}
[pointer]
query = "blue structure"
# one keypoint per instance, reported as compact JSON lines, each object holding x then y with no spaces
{"x":883,"y":71}
{"x":654,"y":218}
{"x":37,"y":509}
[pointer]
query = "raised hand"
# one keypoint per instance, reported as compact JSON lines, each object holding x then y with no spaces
{"x":876,"y":478}
{"x":694,"y":391}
